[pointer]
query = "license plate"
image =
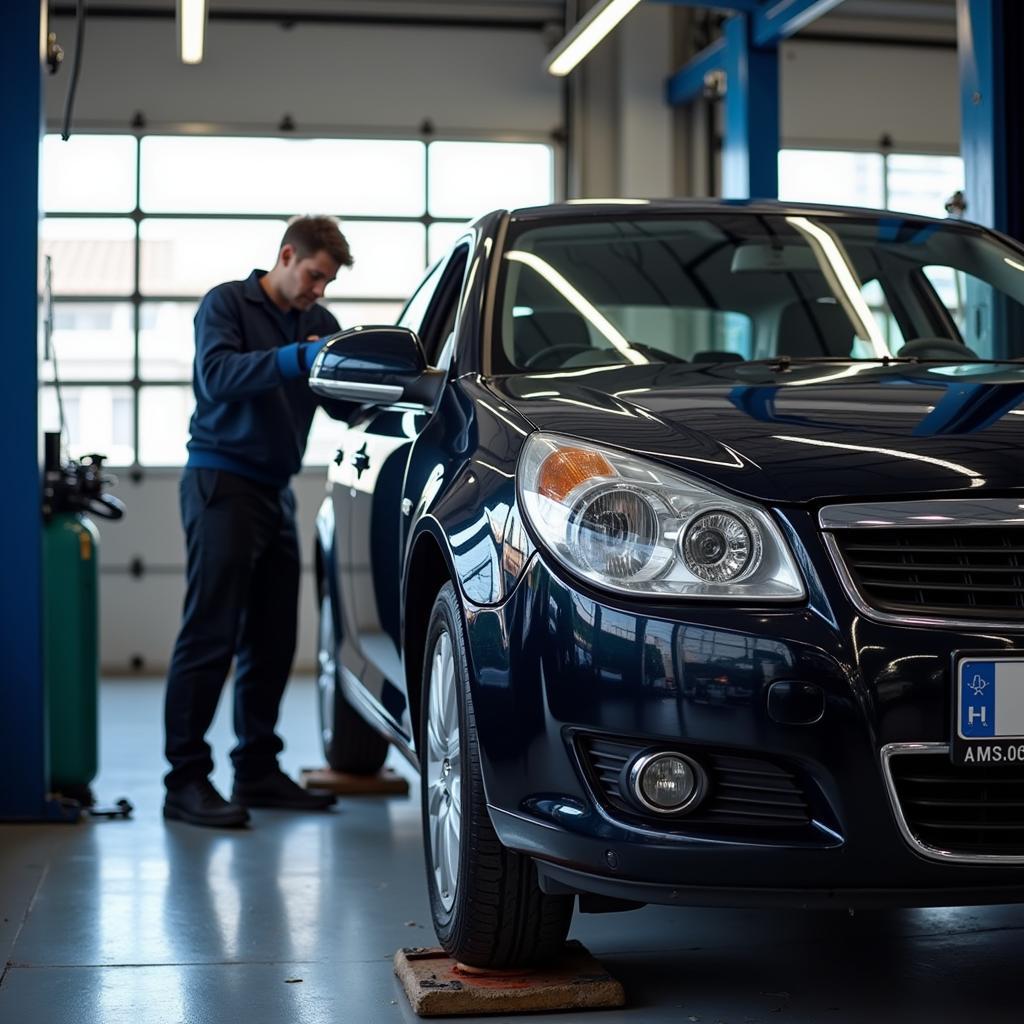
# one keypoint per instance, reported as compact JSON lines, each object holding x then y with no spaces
{"x":989,"y":711}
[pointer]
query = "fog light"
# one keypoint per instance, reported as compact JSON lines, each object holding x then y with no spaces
{"x":666,"y":782}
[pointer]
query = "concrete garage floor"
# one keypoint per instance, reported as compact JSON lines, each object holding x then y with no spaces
{"x":296,"y":921}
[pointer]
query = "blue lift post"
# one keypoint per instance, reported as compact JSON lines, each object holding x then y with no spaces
{"x":990,"y":40}
{"x":23,"y":781}
{"x":748,"y":55}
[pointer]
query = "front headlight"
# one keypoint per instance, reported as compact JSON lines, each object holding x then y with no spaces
{"x":631,"y":525}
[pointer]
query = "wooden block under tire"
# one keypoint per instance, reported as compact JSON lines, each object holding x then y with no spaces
{"x":439,"y":987}
{"x":386,"y":782}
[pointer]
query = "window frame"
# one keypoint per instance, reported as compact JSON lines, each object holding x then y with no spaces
{"x":138,"y":381}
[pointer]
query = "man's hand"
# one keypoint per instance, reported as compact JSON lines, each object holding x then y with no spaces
{"x":309,"y":350}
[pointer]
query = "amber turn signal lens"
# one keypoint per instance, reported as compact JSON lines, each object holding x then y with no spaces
{"x":567,"y":468}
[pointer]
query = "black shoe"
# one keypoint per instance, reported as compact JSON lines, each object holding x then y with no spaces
{"x":277,"y":790}
{"x":199,"y":803}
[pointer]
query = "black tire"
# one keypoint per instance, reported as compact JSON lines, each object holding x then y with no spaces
{"x":498,"y":915}
{"x":350,"y":743}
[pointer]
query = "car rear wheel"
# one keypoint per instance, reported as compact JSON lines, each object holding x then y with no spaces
{"x":350,"y":744}
{"x":487,"y":907}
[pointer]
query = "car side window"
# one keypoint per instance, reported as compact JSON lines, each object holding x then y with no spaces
{"x":416,"y":308}
{"x":439,"y":321}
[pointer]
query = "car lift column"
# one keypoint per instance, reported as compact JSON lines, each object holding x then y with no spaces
{"x":990,"y":40}
{"x":743,"y":66}
{"x":23,"y":780}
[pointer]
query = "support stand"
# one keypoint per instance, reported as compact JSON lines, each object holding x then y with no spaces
{"x":385,"y":783}
{"x":437,"y":986}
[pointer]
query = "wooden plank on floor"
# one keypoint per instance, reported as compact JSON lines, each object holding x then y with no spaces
{"x":439,"y":987}
{"x":387,"y":782}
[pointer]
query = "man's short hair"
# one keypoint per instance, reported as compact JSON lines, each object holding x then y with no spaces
{"x":310,"y":235}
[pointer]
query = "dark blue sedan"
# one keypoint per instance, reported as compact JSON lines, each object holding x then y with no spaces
{"x":681,"y":547}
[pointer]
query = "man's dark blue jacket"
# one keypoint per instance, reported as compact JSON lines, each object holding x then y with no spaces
{"x":253,"y":402}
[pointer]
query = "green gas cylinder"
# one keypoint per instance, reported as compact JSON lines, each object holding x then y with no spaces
{"x":71,"y":628}
{"x":71,"y":615}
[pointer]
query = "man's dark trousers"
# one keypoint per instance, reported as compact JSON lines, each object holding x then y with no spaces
{"x":241,"y":598}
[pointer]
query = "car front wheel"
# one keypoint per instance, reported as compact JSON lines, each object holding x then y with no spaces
{"x":487,"y":907}
{"x":350,"y":744}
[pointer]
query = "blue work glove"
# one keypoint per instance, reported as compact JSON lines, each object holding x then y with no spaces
{"x":295,"y":360}
{"x":309,"y":350}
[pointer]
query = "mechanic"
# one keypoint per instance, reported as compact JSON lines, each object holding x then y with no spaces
{"x":255,"y":343}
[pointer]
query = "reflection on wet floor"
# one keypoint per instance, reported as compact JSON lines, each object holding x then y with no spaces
{"x":295,"y":921}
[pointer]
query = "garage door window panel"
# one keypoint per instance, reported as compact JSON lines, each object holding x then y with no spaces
{"x":189,"y":257}
{"x":139,"y":229}
{"x":167,"y":341}
{"x":164,"y":414}
{"x":97,"y":418}
{"x":470,"y":178}
{"x":88,"y":174}
{"x":388,"y":260}
{"x":89,"y":256}
{"x":258,"y":175}
{"x":92,"y":341}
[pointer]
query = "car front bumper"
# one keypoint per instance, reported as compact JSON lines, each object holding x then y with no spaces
{"x":555,"y":664}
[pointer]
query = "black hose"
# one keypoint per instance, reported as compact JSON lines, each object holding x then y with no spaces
{"x":69,"y":103}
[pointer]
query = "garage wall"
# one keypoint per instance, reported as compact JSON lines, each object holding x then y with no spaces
{"x":335,"y":77}
{"x":141,"y":613}
{"x":387,"y":81}
{"x":834,"y":95}
{"x":850,"y":95}
{"x":329,"y":78}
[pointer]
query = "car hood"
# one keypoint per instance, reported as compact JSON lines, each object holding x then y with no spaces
{"x":812,"y":432}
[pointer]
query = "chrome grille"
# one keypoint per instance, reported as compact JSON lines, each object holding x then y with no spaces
{"x":964,"y":810}
{"x":744,"y":793}
{"x":964,"y":572}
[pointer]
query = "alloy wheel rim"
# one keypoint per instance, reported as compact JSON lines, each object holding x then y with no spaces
{"x":444,"y":771}
{"x":327,"y":669}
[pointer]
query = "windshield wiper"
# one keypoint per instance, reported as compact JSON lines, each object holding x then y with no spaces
{"x":784,"y":362}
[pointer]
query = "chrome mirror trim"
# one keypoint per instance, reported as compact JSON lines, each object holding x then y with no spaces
{"x":357,"y":391}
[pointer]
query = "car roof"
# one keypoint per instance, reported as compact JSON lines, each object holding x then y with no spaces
{"x":592,"y":208}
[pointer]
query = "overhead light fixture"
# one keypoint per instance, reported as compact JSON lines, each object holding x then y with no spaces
{"x":586,"y":34}
{"x":191,"y":30}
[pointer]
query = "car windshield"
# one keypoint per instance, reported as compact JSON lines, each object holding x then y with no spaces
{"x":742,"y":285}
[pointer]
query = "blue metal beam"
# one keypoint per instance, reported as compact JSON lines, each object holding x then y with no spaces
{"x":751,"y":153}
{"x":687,"y":84}
{"x":980,"y":46}
{"x":777,"y":21}
{"x":773,"y":20}
{"x":22,"y":698}
{"x":750,"y":159}
{"x":748,"y":54}
{"x":990,"y":41}
{"x":742,"y":6}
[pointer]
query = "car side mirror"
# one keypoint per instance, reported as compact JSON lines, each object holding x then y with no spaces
{"x":376,"y":365}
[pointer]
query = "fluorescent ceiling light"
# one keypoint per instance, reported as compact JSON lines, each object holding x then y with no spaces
{"x":191,"y":30}
{"x":586,"y":34}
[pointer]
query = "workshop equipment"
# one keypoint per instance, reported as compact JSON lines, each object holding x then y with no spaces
{"x":387,"y":782}
{"x":71,"y":614}
{"x":437,"y":986}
